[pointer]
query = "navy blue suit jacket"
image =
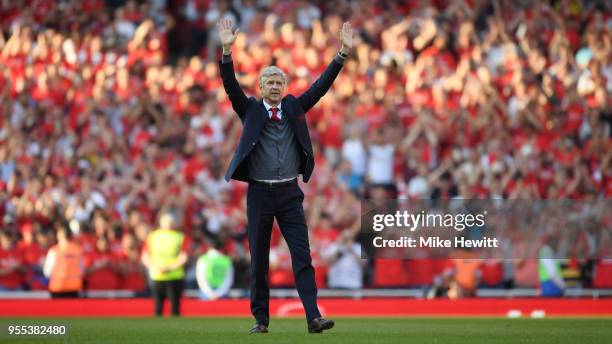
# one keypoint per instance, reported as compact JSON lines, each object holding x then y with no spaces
{"x":253,"y":115}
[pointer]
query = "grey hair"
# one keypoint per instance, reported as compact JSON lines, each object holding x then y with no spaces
{"x":271,"y":71}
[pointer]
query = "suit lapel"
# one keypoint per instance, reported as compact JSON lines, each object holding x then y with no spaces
{"x":290,"y":117}
{"x":263,"y":112}
{"x":283,"y":107}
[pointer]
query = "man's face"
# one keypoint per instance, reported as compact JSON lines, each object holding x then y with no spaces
{"x":272,"y":89}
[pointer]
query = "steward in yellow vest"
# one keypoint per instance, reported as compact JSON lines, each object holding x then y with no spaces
{"x":165,"y":255}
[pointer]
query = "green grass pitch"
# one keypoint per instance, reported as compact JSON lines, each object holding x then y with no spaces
{"x":347,"y":330}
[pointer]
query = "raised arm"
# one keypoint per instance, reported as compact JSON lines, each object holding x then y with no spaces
{"x":318,"y":89}
{"x":235,"y":93}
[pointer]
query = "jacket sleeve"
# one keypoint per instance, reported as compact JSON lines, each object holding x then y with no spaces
{"x":318,"y":89}
{"x":235,"y":93}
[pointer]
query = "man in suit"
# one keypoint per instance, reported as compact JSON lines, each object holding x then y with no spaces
{"x":274,"y":148}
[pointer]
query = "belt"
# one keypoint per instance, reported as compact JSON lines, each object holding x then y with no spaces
{"x":273,"y":184}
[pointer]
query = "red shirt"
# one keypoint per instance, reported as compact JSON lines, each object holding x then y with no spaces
{"x":492,"y":272}
{"x":32,"y":254}
{"x":16,"y":278}
{"x":325,"y":236}
{"x":102,"y":278}
{"x":282,"y":275}
{"x":132,"y":276}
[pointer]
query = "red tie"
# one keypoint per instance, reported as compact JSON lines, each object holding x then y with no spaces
{"x":275,"y":117}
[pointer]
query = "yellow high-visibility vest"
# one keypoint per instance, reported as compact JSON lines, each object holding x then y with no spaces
{"x":163,"y":247}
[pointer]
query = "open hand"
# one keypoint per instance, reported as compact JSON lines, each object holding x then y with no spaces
{"x":226,"y":36}
{"x":346,"y":37}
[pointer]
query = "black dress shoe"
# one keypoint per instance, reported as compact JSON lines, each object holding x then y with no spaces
{"x":258,"y":328}
{"x":319,"y":325}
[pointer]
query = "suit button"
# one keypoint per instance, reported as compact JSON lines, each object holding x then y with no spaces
{"x":253,"y":144}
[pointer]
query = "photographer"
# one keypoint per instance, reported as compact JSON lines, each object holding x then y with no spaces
{"x":346,"y":265}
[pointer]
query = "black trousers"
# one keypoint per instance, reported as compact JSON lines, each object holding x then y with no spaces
{"x":171,"y":289}
{"x":64,"y":295}
{"x":283,"y":202}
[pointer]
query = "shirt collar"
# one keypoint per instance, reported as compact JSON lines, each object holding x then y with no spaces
{"x":268,"y":106}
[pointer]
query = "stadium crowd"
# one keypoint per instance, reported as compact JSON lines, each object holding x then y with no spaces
{"x":113,"y":111}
